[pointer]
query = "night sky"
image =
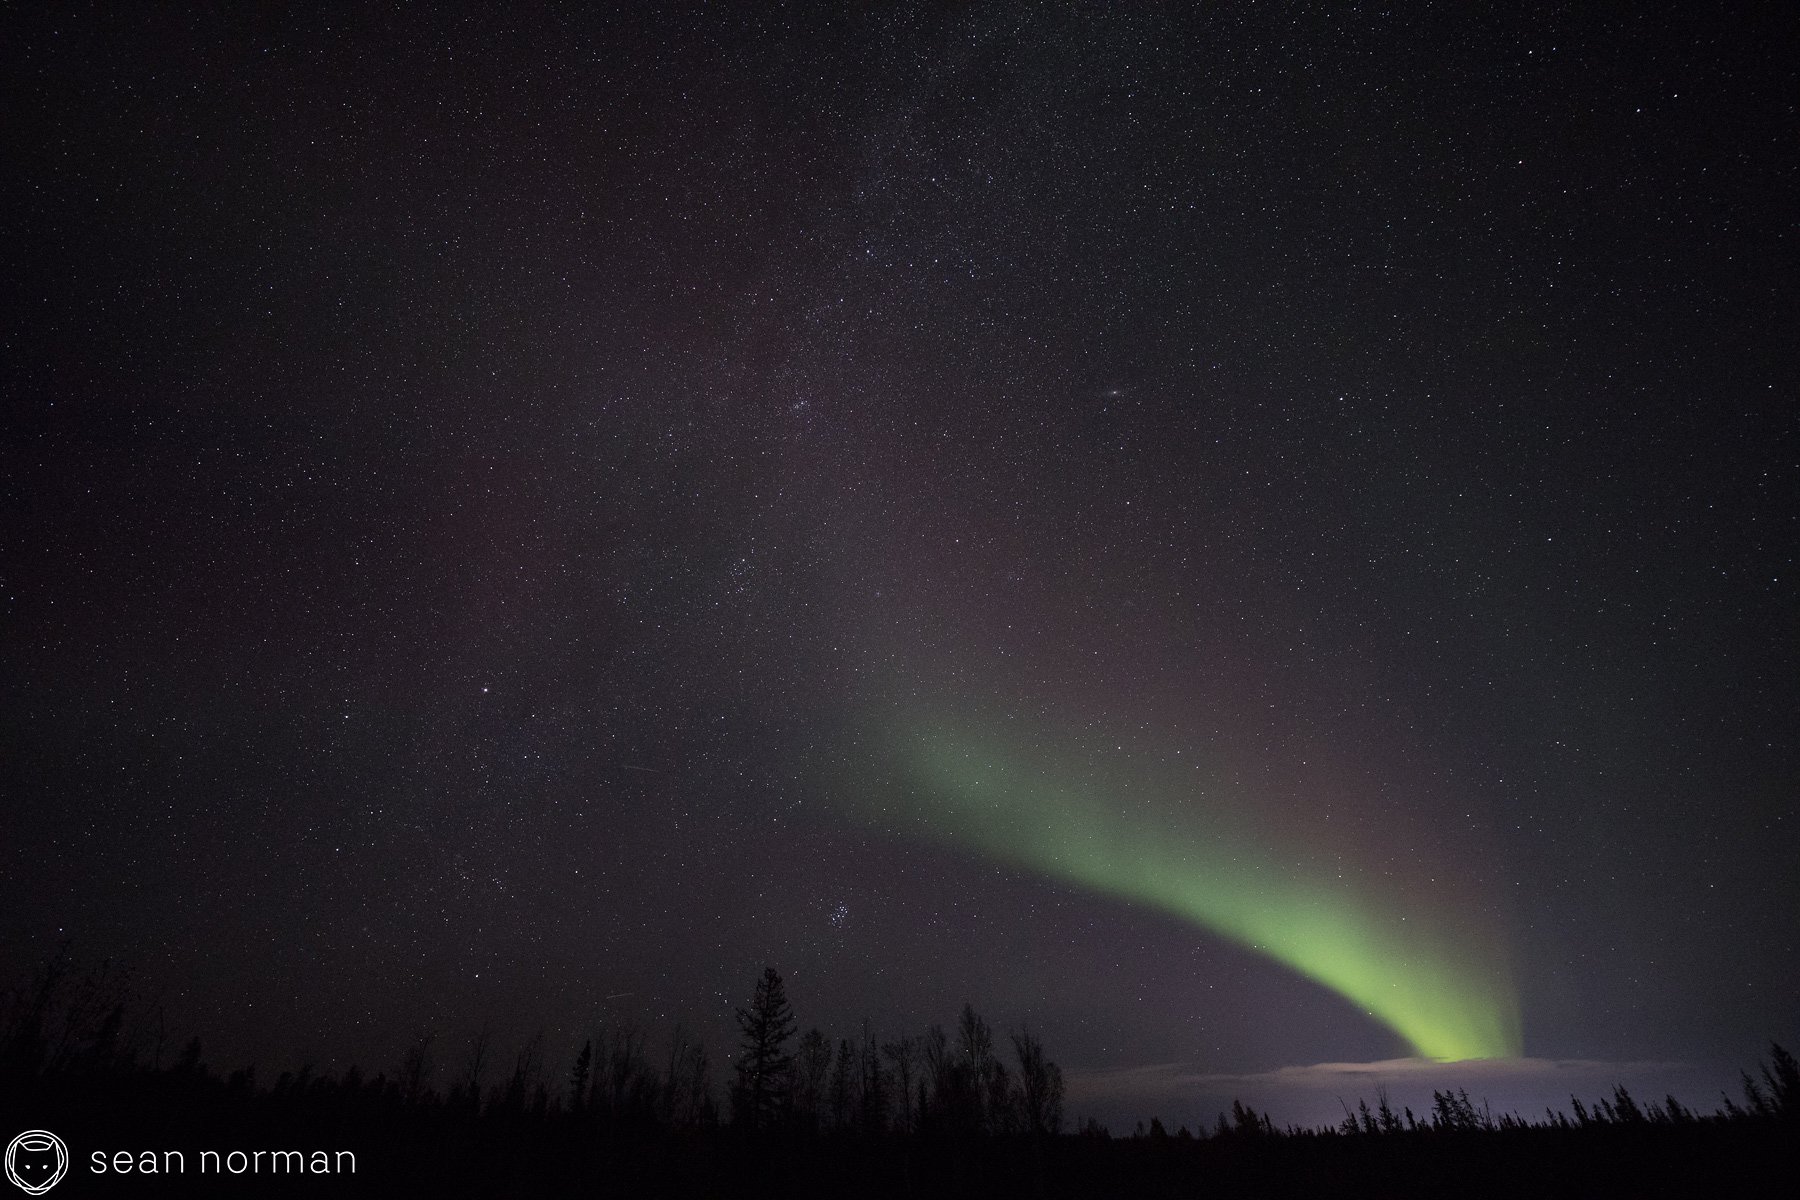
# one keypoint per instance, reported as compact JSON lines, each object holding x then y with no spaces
{"x":1242,"y":539}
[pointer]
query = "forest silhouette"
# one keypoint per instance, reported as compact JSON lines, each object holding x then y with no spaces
{"x":957,"y":1112}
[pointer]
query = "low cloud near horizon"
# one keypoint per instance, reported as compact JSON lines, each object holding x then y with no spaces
{"x":1317,"y":1094}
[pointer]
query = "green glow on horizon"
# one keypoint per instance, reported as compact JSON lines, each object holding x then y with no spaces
{"x":1443,"y":987}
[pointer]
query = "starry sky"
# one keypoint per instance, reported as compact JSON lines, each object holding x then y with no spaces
{"x":1243,"y":536}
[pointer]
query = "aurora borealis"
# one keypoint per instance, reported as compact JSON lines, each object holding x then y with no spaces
{"x":1236,"y":537}
{"x":1416,"y":969}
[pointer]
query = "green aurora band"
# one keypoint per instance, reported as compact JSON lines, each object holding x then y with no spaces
{"x":1445,"y":989}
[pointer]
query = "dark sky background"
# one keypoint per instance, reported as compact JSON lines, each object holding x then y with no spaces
{"x":483,"y":500}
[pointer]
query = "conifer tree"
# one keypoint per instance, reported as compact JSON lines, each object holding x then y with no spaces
{"x":762,"y":1071}
{"x":579,"y":1076}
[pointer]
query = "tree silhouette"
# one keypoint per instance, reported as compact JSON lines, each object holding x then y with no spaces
{"x":416,"y":1067}
{"x":629,"y":1125}
{"x":843,"y":1085}
{"x":935,"y":1048}
{"x":871,"y":1112}
{"x":975,"y":1070}
{"x":474,"y":1066}
{"x":762,"y":1072}
{"x":1387,"y":1120}
{"x":903,"y":1053}
{"x":1455,"y":1112}
{"x":1040,"y":1094}
{"x":578,"y":1077}
{"x":812,"y":1063}
{"x":684,"y":1101}
{"x":1782,"y":1075}
{"x":524,"y":1081}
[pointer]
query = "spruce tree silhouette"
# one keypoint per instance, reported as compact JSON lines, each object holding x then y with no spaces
{"x":1777,"y":1096}
{"x":762,"y":1072}
{"x":629,"y":1126}
{"x":579,"y":1076}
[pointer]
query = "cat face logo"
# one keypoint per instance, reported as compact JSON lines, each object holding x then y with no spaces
{"x":36,"y":1160}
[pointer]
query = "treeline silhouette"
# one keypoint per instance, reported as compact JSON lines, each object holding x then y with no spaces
{"x":934,"y":1084}
{"x":943,"y":1113}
